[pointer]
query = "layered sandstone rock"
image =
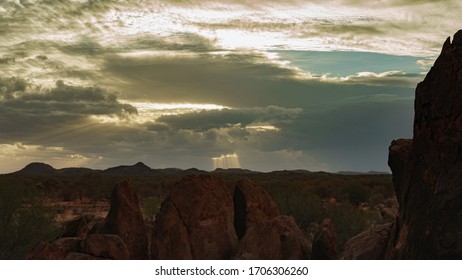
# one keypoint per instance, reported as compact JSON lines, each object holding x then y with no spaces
{"x":275,"y":239}
{"x":428,"y":183}
{"x":253,"y":206}
{"x":196,"y":221}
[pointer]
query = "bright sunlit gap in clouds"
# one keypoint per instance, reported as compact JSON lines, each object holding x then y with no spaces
{"x":148,"y":112}
{"x":226,"y":161}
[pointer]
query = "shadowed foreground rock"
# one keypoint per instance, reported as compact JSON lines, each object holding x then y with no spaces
{"x":78,"y":227}
{"x":93,"y":247}
{"x":195,"y":221}
{"x":253,"y":206}
{"x":126,"y":220}
{"x":370,"y":244}
{"x":276,"y":239}
{"x":428,"y":179}
{"x":105,"y":246}
{"x":325,"y":242}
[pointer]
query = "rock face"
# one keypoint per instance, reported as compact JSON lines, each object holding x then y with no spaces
{"x":398,"y":155}
{"x":195,"y":221}
{"x":46,"y":251}
{"x":126,"y":220}
{"x":429,"y":223}
{"x":92,"y":247}
{"x":105,"y":246}
{"x":276,"y":239}
{"x":368,"y":245}
{"x":325,"y":242}
{"x":78,"y":227}
{"x":252,"y":206}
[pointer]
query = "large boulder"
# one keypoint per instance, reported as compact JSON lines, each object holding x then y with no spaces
{"x":107,"y":246}
{"x":370,"y":244}
{"x":56,"y":250}
{"x":45,"y":251}
{"x":429,"y":222}
{"x":126,"y":220}
{"x":78,"y":227}
{"x":81,"y":256}
{"x":252,"y":206}
{"x":195,"y":221}
{"x":398,"y":155}
{"x":275,"y":239}
{"x":325,"y":242}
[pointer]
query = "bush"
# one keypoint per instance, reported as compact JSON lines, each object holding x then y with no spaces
{"x":150,"y":207}
{"x":355,"y":194}
{"x":349,"y":221}
{"x":24,"y":221}
{"x":303,"y":206}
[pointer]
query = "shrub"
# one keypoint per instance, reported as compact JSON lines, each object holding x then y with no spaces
{"x":303,"y":206}
{"x":24,"y":221}
{"x":150,"y":207}
{"x":355,"y":194}
{"x":349,"y":221}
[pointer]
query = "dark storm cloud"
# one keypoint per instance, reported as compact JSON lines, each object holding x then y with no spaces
{"x":175,"y":55}
{"x":206,"y":120}
{"x":237,"y":80}
{"x":25,"y":107}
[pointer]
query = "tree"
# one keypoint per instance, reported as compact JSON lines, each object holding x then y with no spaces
{"x":24,"y":221}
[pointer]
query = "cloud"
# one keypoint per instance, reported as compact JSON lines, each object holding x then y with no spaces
{"x":224,"y":118}
{"x":28,"y":108}
{"x":279,"y":116}
{"x":389,"y":78}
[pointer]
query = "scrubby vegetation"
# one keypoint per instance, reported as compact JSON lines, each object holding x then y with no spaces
{"x":24,"y":220}
{"x":353,"y":202}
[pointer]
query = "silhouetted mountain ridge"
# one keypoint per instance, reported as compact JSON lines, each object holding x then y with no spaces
{"x":141,"y":169}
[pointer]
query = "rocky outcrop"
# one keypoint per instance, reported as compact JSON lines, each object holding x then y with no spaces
{"x":275,"y":239}
{"x":106,"y":246}
{"x":77,"y":227}
{"x":368,"y":245}
{"x":46,"y":251}
{"x":253,"y":206}
{"x":91,"y":247}
{"x":398,"y":155}
{"x":126,"y":220}
{"x":429,"y":182}
{"x":195,"y":221}
{"x":325,"y":242}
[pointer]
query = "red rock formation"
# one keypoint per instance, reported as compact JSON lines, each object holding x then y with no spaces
{"x":429,"y":223}
{"x":275,"y":239}
{"x":78,"y":227}
{"x":105,"y":246}
{"x":45,"y":251}
{"x":80,"y":256}
{"x":370,"y":244}
{"x":252,"y":206}
{"x":325,"y":243}
{"x":195,"y":221}
{"x":126,"y":220}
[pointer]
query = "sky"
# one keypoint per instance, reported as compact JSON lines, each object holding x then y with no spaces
{"x":261,"y":85}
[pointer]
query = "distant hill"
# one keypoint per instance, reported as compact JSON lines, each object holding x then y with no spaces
{"x":37,"y":168}
{"x":138,"y":169}
{"x":76,"y":170}
{"x":141,"y":169}
{"x":363,"y":173}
